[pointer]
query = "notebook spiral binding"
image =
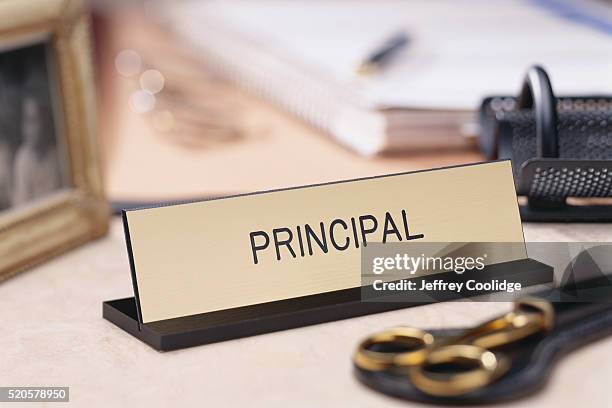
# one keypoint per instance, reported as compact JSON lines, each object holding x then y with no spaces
{"x":560,"y":148}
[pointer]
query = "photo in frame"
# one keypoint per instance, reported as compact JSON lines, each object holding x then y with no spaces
{"x":51,"y":193}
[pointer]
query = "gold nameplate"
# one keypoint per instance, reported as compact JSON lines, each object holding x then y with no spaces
{"x":237,"y":251}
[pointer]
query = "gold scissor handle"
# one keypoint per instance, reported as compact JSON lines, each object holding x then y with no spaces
{"x":396,"y":347}
{"x":530,"y":316}
{"x":414,"y":351}
{"x":478,"y":368}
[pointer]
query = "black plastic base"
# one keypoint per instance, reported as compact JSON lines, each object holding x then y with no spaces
{"x":556,"y":179}
{"x":567,"y":213}
{"x":188,"y":331}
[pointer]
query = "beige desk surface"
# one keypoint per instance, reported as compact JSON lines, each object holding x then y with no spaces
{"x":53,"y":334}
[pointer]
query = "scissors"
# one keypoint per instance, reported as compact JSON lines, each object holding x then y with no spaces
{"x":453,"y":365}
{"x":504,"y":358}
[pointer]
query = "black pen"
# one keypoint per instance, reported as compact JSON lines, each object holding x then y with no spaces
{"x":383,"y":54}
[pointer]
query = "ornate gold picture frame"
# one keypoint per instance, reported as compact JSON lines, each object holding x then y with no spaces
{"x":51,"y":194}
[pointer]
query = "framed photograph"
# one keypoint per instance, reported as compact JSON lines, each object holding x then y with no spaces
{"x":51,"y":195}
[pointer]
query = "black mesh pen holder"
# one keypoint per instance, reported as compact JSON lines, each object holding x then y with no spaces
{"x":560,"y":148}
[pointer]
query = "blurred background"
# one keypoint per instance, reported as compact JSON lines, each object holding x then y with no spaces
{"x":201,"y":98}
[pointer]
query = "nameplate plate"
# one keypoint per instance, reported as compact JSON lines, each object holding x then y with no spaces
{"x":255,"y":248}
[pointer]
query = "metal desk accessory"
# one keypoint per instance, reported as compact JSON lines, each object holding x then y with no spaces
{"x":560,"y":147}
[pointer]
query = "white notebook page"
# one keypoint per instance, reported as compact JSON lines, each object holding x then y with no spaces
{"x":459,"y":51}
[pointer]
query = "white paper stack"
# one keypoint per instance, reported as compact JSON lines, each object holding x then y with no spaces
{"x":302,"y":55}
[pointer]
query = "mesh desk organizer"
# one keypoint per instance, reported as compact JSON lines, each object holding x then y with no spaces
{"x":560,"y":148}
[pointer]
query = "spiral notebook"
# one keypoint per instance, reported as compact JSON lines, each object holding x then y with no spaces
{"x":302,"y":55}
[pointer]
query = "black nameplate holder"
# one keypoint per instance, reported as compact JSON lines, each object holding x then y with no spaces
{"x":222,"y":325}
